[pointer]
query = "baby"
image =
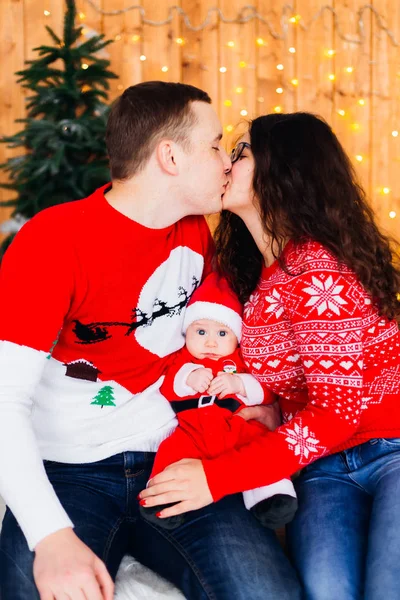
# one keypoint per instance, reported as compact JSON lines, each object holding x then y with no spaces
{"x":208,"y":386}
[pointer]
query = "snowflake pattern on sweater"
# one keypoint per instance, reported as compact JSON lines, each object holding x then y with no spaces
{"x":313,"y":332}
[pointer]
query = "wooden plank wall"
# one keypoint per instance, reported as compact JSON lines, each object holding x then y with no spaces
{"x":307,"y":56}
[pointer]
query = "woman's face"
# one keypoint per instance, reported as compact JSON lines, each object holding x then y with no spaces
{"x":239,"y":196}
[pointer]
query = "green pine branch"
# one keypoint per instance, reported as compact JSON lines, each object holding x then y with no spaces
{"x":63,"y":135}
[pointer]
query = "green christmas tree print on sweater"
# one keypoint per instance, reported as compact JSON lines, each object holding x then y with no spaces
{"x":104,"y":397}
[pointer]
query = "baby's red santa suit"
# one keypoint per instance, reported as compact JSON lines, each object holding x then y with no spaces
{"x":208,"y":421}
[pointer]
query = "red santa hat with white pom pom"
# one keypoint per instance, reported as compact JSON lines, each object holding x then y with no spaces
{"x":215,"y":300}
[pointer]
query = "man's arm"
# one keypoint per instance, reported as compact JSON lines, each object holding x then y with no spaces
{"x":36,"y":286}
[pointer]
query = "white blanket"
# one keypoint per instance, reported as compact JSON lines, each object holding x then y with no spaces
{"x":136,"y":582}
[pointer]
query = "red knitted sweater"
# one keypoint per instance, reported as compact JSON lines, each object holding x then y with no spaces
{"x":314,"y":336}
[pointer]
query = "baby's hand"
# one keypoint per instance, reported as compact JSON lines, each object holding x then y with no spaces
{"x":226,"y":384}
{"x":200,"y":379}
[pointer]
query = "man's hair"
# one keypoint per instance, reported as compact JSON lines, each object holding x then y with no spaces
{"x":143,"y":115}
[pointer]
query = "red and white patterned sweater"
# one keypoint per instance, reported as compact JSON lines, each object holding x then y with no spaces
{"x":315,"y":339}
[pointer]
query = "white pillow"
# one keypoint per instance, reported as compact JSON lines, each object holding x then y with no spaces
{"x":136,"y":582}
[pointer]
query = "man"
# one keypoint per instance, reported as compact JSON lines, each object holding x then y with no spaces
{"x":92,"y":299}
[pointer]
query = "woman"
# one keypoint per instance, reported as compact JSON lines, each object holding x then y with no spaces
{"x":300,"y":245}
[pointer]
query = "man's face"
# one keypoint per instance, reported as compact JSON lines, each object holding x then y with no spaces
{"x":205,"y":167}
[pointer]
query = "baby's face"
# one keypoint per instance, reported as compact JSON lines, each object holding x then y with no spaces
{"x":209,"y":339}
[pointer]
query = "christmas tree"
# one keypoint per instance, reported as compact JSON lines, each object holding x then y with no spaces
{"x":64,"y":132}
{"x":104,"y":397}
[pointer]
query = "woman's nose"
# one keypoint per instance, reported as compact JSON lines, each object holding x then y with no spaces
{"x":211,"y":342}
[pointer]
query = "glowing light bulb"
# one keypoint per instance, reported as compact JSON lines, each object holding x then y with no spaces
{"x":231,"y":44}
{"x":46,"y":13}
{"x":292,"y":50}
{"x":395,"y":133}
{"x":242,"y":64}
{"x":279,"y":90}
{"x":386,"y":190}
{"x":84,"y":66}
{"x":349,"y":69}
{"x":229,"y":128}
{"x":260,"y":42}
{"x":280,"y":67}
{"x":228,"y":103}
{"x":278,"y":109}
{"x":361,"y":102}
{"x":355,"y":126}
{"x":135,"y":38}
{"x":294,"y":82}
{"x":341,"y":112}
{"x":244,"y":112}
{"x":164,"y":69}
{"x":295,"y":19}
{"x":332,"y":77}
{"x":392,"y":214}
{"x":82,"y":16}
{"x":330,"y":52}
{"x":143,"y":57}
{"x":223,"y":69}
{"x":180,"y":41}
{"x":359,"y":157}
{"x":239,"y":90}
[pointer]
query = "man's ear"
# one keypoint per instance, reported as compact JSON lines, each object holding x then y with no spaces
{"x":166,"y":156}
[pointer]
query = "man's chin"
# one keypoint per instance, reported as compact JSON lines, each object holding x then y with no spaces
{"x":216,"y":207}
{"x":224,"y":202}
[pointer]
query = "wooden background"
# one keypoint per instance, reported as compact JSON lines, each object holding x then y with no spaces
{"x":296,"y":59}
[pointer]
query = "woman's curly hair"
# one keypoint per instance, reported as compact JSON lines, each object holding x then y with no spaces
{"x":307,"y":188}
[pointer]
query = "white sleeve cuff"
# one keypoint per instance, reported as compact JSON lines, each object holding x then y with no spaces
{"x":254,"y":390}
{"x":181,"y":388}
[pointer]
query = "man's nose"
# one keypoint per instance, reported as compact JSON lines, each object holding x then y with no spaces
{"x":226,"y":160}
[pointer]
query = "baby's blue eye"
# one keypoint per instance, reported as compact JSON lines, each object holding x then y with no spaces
{"x":201,"y":332}
{"x":222,"y":333}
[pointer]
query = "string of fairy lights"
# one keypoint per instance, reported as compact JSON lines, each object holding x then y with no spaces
{"x":287,"y":22}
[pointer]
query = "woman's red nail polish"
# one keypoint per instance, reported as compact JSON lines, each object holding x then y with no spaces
{"x":142,"y":502}
{"x":158,"y":514}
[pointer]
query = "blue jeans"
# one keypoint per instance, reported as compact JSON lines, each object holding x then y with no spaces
{"x":345,"y":538}
{"x":220,"y":552}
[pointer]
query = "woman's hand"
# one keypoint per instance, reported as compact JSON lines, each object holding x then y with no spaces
{"x":267,"y":414}
{"x":183,"y":482}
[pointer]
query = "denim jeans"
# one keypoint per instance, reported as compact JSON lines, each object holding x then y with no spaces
{"x":345,"y":538}
{"x":220,"y":552}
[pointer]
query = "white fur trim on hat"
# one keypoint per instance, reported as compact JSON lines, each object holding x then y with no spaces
{"x":213,"y":312}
